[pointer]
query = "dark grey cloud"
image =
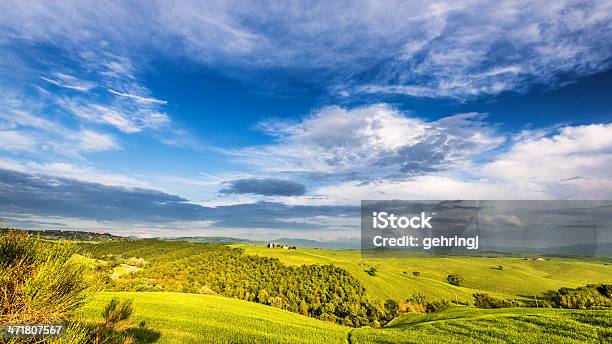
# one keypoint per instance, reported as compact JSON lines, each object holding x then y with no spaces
{"x":23,"y":195}
{"x":265,"y":187}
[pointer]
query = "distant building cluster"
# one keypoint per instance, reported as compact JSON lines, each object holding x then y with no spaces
{"x":536,"y":259}
{"x":282,"y":246}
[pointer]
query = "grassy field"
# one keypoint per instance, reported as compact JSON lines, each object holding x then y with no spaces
{"x":519,"y":278}
{"x":506,"y":325}
{"x":191,"y":318}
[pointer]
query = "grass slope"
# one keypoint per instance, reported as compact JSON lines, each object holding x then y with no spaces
{"x":514,"y":325}
{"x":193,"y":318}
{"x":519,"y":278}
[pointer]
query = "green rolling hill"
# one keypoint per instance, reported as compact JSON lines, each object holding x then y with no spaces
{"x":192,"y":318}
{"x":506,"y":325}
{"x":520,"y":277}
{"x":172,"y":316}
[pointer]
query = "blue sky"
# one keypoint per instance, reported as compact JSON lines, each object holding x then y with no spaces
{"x":275,"y":119}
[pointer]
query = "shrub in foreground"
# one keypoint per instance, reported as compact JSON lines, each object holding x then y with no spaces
{"x":117,"y":317}
{"x":39,"y":281}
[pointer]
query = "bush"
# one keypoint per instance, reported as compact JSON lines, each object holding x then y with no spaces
{"x":118,"y":314}
{"x":419,"y":303}
{"x":42,"y":282}
{"x":118,"y":319}
{"x":461,"y":303}
{"x":455,"y":279}
{"x":407,"y":307}
{"x":603,"y":289}
{"x":482,"y":300}
{"x":418,"y":298}
{"x":416,"y":274}
{"x":436,"y":305}
{"x":544,"y":304}
{"x":392,"y":308}
{"x":39,"y":281}
{"x":590,"y":296}
{"x":415,"y":304}
{"x":500,"y":267}
{"x":371,"y":271}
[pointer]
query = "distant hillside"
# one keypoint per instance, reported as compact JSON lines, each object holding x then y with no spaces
{"x":578,"y":250}
{"x":319,"y":244}
{"x":287,"y":241}
{"x":215,"y":240}
{"x":54,"y":234}
{"x":599,"y":250}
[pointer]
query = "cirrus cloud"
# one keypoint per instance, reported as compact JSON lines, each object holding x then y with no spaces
{"x":68,"y":81}
{"x":422,"y":49}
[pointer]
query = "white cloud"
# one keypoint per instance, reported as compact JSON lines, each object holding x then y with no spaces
{"x":124,"y":117}
{"x":376,"y":152}
{"x":19,"y":112}
{"x":93,"y":141}
{"x":573,"y":163}
{"x":227,"y":201}
{"x":102,"y":114}
{"x":132,"y":110}
{"x":334,"y":140}
{"x":375,"y":141}
{"x":15,"y":141}
{"x":130,"y":107}
{"x":137,"y":98}
{"x":148,"y":230}
{"x":67,"y":170}
{"x":426,"y":187}
{"x":410,"y":90}
{"x":32,"y":132}
{"x":329,"y":222}
{"x":68,"y":81}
